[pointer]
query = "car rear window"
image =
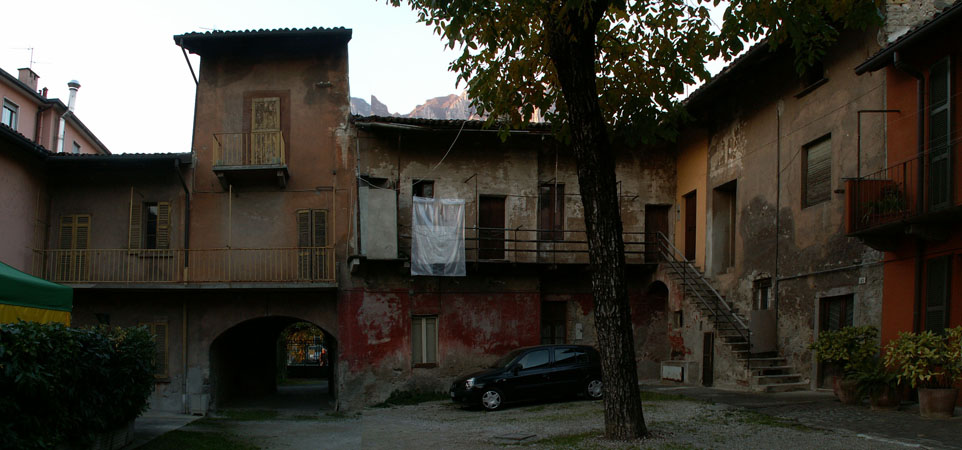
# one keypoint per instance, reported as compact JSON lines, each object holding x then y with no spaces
{"x":534,"y":360}
{"x":569,"y":356}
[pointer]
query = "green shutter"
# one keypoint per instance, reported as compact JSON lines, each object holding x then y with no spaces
{"x":937,"y":293}
{"x":940,"y":135}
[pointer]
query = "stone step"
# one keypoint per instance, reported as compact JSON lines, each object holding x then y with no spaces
{"x":765,"y":369}
{"x":776,"y":379}
{"x":784,"y":387}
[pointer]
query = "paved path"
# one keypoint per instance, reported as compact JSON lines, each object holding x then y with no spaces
{"x":821,"y":410}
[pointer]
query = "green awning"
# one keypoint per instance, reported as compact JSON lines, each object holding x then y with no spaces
{"x":20,"y":289}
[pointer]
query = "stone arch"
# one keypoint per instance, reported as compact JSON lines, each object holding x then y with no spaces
{"x":245,"y":358}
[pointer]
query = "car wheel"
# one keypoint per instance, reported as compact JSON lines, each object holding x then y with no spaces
{"x":492,"y":399}
{"x":594,"y":389}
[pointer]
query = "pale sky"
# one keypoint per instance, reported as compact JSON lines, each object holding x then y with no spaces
{"x":137,"y":94}
{"x":136,"y":91}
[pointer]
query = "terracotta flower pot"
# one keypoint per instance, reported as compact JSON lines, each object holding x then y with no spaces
{"x":846,"y":390}
{"x":937,"y":403}
{"x":888,"y":399}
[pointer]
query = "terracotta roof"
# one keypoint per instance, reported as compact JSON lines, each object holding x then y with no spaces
{"x":938,"y":22}
{"x":23,"y":142}
{"x":213,"y":41}
{"x":416,"y":123}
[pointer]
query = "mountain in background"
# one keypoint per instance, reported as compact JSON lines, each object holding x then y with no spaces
{"x":457,"y":107}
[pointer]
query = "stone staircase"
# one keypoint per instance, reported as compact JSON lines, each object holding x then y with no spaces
{"x":767,"y":372}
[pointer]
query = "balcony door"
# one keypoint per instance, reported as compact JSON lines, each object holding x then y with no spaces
{"x":940,"y":136}
{"x":265,"y":130}
{"x":491,"y":227}
{"x":74,"y":240}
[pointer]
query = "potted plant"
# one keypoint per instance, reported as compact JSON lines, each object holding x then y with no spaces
{"x":880,"y":385}
{"x":852,"y":348}
{"x":933,"y":363}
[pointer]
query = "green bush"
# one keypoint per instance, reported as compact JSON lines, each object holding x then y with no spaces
{"x":854,"y":348}
{"x":927,"y":359}
{"x":64,"y":385}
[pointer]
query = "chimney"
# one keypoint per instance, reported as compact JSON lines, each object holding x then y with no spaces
{"x":74,"y":85}
{"x":29,"y":77}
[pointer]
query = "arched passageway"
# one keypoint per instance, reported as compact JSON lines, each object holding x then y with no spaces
{"x":250,"y":365}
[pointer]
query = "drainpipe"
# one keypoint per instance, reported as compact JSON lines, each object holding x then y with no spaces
{"x":74,"y":86}
{"x":39,"y":124}
{"x":183,"y":183}
{"x":779,"y":107}
{"x":920,"y":183}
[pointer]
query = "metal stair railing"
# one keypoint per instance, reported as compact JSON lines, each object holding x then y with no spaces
{"x":696,"y":283}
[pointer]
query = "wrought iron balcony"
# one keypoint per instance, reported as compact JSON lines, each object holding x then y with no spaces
{"x":250,"y":157}
{"x":220,"y":265}
{"x":880,"y":206}
{"x":525,"y":245}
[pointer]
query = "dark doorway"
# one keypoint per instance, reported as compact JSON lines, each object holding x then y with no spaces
{"x":835,"y":313}
{"x":491,"y":227}
{"x":553,"y":322}
{"x":250,"y":366}
{"x":690,"y":224}
{"x":656,"y":221}
{"x":708,"y":360}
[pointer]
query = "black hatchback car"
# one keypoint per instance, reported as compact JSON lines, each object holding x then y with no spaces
{"x":532,"y":373}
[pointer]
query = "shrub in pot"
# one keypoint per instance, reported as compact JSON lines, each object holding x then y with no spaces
{"x":880,"y":385}
{"x":852,"y":348}
{"x":933,"y":363}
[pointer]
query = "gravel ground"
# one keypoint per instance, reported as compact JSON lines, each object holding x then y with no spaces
{"x":673,"y":423}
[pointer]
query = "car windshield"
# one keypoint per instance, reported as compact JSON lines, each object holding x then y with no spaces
{"x":506,"y":359}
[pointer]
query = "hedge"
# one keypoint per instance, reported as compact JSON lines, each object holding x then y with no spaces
{"x":62,"y":386}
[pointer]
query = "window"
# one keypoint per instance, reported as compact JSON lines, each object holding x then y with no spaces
{"x":423,"y":188}
{"x":551,"y":212}
{"x":763,"y":293}
{"x":76,"y":148}
{"x":569,"y":356}
{"x":678,"y":319}
{"x":940,"y":136}
{"x":424,"y":341}
{"x":149,"y":225}
{"x":817,"y":172}
{"x":10,"y":113}
{"x":314,"y":258}
{"x":74,"y":240}
{"x":553,"y":322}
{"x":158,"y":330}
{"x":837,"y":312}
{"x":537,"y":359}
{"x":937,"y":289}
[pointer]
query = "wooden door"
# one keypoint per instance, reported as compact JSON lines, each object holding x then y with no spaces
{"x":708,"y":360}
{"x":265,"y":130}
{"x":656,"y":221}
{"x":553,"y":322}
{"x":690,"y":225}
{"x":491,"y":227}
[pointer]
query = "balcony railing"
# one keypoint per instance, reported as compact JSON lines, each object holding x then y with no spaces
{"x":259,"y":148}
{"x":895,"y":194}
{"x":222,"y":265}
{"x":548,"y":246}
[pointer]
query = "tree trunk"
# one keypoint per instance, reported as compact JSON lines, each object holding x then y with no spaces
{"x":572,"y":52}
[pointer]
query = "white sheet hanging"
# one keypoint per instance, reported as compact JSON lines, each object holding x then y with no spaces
{"x":437,"y":237}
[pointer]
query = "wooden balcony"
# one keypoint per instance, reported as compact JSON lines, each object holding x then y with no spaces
{"x":250,"y":158}
{"x":245,"y":266}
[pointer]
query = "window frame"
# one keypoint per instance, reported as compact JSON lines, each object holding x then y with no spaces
{"x":418,"y":187}
{"x":759,"y":286}
{"x":14,"y":114}
{"x":421,"y":321}
{"x":76,"y":148}
{"x":806,"y":188}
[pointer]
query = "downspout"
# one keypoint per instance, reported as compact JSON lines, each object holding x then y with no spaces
{"x":778,"y":203}
{"x":183,"y":317}
{"x":920,"y":182}
{"x":39,"y":124}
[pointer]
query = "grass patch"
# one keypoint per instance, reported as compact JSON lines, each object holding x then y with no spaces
{"x":248,"y":414}
{"x":577,"y":440}
{"x":756,"y":418}
{"x":674,"y":446}
{"x":401,"y":398}
{"x":182,"y":439}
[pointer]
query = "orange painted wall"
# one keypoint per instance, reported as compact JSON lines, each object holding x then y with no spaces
{"x":692,"y":176}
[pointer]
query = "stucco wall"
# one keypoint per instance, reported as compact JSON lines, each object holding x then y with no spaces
{"x":23,"y":195}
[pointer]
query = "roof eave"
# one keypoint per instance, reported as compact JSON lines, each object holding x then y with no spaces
{"x":883,"y":58}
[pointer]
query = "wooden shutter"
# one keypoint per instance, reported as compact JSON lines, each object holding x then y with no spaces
{"x":158,"y":331}
{"x":417,"y":340}
{"x":940,"y":135}
{"x":319,"y":235}
{"x":135,"y":230}
{"x":937,"y":293}
{"x":304,"y":244}
{"x":65,"y":243}
{"x":163,"y":225}
{"x":551,"y":212}
{"x":818,"y":172}
{"x":265,"y":130}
